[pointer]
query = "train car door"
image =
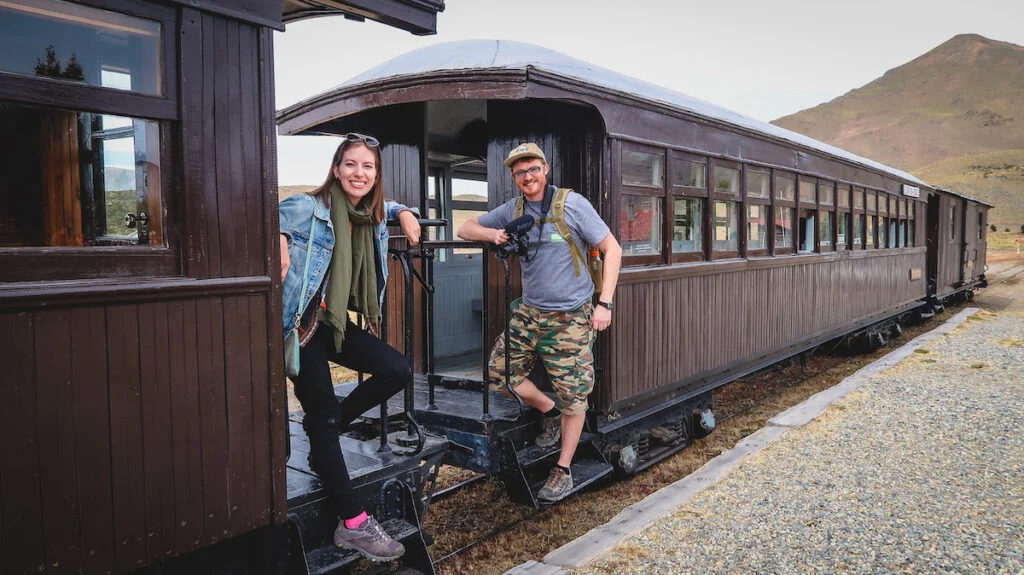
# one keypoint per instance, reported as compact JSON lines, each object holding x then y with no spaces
{"x":932,"y":240}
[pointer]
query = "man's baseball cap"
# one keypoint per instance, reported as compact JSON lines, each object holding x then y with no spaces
{"x":527,"y":150}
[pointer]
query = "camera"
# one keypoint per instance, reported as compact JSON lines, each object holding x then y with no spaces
{"x":517,"y":241}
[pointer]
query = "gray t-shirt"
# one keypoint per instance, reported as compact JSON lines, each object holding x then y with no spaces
{"x":549,"y":278}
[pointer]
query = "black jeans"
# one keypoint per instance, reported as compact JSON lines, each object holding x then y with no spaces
{"x":326,"y":418}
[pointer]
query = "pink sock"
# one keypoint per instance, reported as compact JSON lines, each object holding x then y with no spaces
{"x":355,"y":521}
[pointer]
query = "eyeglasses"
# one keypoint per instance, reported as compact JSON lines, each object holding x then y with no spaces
{"x":370,"y":141}
{"x":533,"y":171}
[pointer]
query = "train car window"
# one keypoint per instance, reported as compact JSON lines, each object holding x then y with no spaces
{"x":640,"y":225}
{"x":952,"y":222}
{"x":843,"y":197}
{"x":689,"y":174}
{"x":859,"y":221}
{"x":893,"y":228}
{"x":871,"y":230}
{"x":858,"y":199}
{"x":727,"y":181}
{"x":871,"y":202}
{"x":79,"y":179}
{"x":757,"y":227}
{"x":83,"y":45}
{"x":784,"y":229}
{"x":981,"y":224}
{"x":901,"y":234}
{"x":726,"y":228}
{"x":911,"y":227}
{"x":785,"y":186}
{"x":826,"y":193}
{"x":883,"y":226}
{"x":469,"y":200}
{"x":883,"y":204}
{"x":757,"y":184}
{"x":807,"y":192}
{"x":842,"y":229}
{"x":807,"y":230}
{"x":643,"y":169}
{"x":687,"y":215}
{"x":825,"y":230}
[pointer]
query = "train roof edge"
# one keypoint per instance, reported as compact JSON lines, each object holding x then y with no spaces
{"x":476,"y":56}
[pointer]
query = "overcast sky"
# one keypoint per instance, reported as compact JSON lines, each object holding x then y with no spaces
{"x":765,"y":59}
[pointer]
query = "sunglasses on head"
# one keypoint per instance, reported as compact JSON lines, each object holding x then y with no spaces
{"x":370,"y":141}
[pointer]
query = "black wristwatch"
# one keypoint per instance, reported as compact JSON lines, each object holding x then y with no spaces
{"x":608,"y":305}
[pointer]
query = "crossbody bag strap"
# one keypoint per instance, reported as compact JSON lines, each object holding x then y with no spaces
{"x":305,"y":269}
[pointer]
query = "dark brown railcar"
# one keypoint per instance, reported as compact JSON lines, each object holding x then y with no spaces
{"x":143,"y":408}
{"x":958,"y":231}
{"x":685,"y":322}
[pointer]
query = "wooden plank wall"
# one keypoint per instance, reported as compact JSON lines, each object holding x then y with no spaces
{"x":949,"y":243}
{"x":143,"y":426}
{"x":708,"y":321}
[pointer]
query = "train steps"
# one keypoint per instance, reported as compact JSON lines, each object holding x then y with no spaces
{"x":526,"y":467}
{"x":330,"y":559}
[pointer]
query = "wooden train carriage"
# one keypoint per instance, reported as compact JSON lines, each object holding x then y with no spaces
{"x":958,"y":227}
{"x":142,"y":404}
{"x":744,"y":242}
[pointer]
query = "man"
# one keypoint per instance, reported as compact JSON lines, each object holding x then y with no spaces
{"x":554,"y":320}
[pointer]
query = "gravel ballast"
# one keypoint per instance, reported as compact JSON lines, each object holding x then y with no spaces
{"x":921,"y":470}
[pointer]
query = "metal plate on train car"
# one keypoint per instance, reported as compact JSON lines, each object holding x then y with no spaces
{"x":915,"y":273}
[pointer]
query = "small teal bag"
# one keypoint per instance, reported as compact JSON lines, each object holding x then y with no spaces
{"x":291,"y":341}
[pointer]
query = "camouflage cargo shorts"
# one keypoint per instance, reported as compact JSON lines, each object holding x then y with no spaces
{"x":564,"y":342}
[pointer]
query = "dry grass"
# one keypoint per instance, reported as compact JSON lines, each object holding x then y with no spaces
{"x":1011,"y":342}
{"x":742,"y":407}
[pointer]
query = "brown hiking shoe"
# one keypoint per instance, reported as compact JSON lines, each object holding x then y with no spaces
{"x":558,"y":486}
{"x":552,"y":432}
{"x":369,"y":539}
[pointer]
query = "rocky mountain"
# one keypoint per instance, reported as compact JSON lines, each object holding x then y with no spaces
{"x":953,"y":117}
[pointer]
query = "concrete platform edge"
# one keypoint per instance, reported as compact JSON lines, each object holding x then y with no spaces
{"x":632,"y":519}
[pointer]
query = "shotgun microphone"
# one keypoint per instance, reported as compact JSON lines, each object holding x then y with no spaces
{"x":517,"y":241}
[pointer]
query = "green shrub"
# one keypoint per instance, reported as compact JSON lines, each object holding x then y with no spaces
{"x":993,"y":227}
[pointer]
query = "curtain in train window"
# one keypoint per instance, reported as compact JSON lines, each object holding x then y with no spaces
{"x":783,"y":227}
{"x":726,"y":227}
{"x":807,"y":224}
{"x":640,"y":225}
{"x":78,"y":179}
{"x":757,"y":227}
{"x":687,"y":216}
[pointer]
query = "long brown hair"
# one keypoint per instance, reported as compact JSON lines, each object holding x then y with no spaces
{"x":376,"y":195}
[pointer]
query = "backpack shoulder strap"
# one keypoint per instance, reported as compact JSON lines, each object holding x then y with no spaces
{"x":558,"y":218}
{"x":520,"y":207}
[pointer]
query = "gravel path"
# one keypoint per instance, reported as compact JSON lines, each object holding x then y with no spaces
{"x":919,"y":471}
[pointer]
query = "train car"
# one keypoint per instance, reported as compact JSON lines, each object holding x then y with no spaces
{"x":744,"y":243}
{"x":142,"y":404}
{"x":957,"y":230}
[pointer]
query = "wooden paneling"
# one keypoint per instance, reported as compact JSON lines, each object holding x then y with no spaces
{"x":706,"y":322}
{"x":133,"y":432}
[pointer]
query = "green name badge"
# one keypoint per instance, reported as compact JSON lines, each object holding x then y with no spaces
{"x":557,"y":237}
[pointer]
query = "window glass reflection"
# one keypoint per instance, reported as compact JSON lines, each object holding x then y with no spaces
{"x":643,"y":169}
{"x":757,"y":227}
{"x":76,"y":43}
{"x":686,"y":225}
{"x":725,"y":227}
{"x":640,"y":225}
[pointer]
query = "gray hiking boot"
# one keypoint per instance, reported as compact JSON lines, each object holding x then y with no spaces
{"x":552,"y":432}
{"x":558,"y":486}
{"x":369,"y":539}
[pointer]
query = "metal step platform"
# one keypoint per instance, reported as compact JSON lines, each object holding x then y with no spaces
{"x":393,"y":486}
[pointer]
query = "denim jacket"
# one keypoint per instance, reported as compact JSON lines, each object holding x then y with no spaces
{"x":295,"y":214}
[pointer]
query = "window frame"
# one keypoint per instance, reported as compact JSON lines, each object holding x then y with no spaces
{"x":42,"y":263}
{"x":687,"y":192}
{"x":777,"y":204}
{"x":736,"y":198}
{"x":755,"y":201}
{"x":871,"y":218}
{"x":843,"y":191}
{"x":632,"y":190}
{"x":825,"y":208}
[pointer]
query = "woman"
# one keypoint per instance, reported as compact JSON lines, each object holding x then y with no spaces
{"x":344,"y":222}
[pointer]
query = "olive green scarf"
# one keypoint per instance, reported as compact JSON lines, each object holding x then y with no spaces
{"x":353,"y":281}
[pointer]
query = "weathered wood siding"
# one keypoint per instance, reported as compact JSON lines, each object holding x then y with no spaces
{"x":694,"y":324}
{"x":144,"y":417}
{"x":949,"y":246}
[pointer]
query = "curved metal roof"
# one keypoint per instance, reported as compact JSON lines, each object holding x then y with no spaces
{"x":483,"y":55}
